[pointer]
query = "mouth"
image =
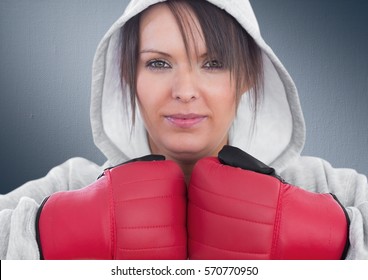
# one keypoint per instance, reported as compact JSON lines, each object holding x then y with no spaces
{"x":185,"y":120}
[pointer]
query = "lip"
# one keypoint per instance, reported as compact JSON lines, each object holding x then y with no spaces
{"x":185,"y":120}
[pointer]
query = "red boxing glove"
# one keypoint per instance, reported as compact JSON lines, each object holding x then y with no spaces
{"x":136,"y":210}
{"x":235,"y":213}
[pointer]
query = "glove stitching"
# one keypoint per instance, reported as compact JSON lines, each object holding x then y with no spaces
{"x":146,"y":198}
{"x":235,"y":218}
{"x":221,"y":249}
{"x":229,"y":197}
{"x":277,"y":224}
{"x":139,"y":181}
{"x":150,"y":248}
{"x":112,"y":217}
{"x":151,"y":227}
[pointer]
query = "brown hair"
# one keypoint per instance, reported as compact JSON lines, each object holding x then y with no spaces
{"x":224,"y":38}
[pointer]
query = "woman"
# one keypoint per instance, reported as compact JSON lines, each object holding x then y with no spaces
{"x":193,"y":80}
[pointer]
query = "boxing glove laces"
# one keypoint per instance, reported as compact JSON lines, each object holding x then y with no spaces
{"x":136,"y":210}
{"x":240,"y":209}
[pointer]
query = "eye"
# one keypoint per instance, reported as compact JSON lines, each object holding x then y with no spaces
{"x":213,"y":64}
{"x":158,"y":64}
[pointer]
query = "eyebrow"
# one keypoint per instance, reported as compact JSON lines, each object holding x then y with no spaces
{"x":166,"y":54}
{"x":155,"y":51}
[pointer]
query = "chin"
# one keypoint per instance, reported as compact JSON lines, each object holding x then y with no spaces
{"x":185,"y":146}
{"x":188,"y":151}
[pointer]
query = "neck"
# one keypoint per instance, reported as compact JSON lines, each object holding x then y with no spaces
{"x":186,"y":162}
{"x":186,"y":165}
{"x":187,"y":169}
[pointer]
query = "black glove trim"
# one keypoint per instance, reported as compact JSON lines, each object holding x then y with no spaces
{"x":38,"y":238}
{"x":236,"y":157}
{"x":347,"y":245}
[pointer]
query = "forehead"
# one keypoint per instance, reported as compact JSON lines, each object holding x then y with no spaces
{"x":160,"y":27}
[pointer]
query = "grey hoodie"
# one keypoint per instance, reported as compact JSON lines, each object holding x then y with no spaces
{"x":277,"y":140}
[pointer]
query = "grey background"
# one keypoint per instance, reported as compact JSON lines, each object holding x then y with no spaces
{"x":46,"y":53}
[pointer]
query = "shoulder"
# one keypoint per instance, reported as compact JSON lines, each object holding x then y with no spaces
{"x":77,"y":172}
{"x":74,"y":173}
{"x":316,"y":174}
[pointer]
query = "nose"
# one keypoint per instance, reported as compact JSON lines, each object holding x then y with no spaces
{"x":185,"y":87}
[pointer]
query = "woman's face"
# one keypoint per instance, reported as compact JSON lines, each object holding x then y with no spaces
{"x":187,"y":100}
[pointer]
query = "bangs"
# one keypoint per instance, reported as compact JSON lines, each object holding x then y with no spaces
{"x":224,"y":39}
{"x":187,"y":13}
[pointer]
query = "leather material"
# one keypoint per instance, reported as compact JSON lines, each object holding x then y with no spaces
{"x":134,"y":211}
{"x":240,"y":214}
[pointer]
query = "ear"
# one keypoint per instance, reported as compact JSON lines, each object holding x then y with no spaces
{"x":244,"y":89}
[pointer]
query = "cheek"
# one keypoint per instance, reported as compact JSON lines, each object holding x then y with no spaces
{"x":149,"y":93}
{"x":223,"y":106}
{"x":143,"y":90}
{"x":225,"y":112}
{"x":222,"y":98}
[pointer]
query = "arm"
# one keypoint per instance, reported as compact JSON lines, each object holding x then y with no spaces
{"x":18,"y":208}
{"x":350,"y":188}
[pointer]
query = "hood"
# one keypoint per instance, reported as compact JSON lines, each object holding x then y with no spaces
{"x":279,"y":132}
